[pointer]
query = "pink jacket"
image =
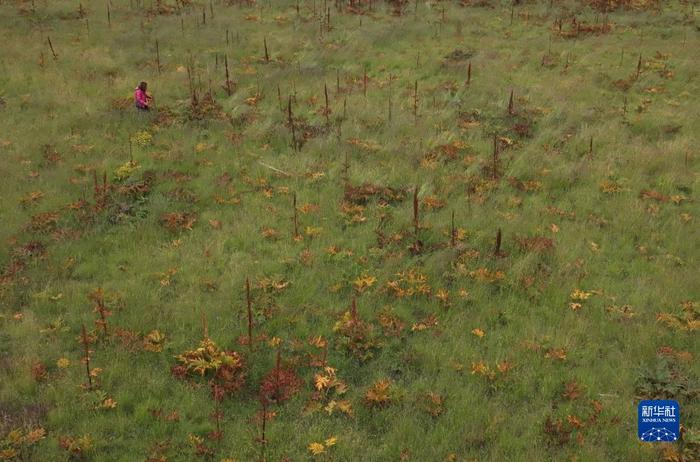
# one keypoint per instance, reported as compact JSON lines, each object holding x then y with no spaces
{"x":140,"y":97}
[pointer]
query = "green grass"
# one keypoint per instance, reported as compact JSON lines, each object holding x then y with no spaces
{"x":610,"y":239}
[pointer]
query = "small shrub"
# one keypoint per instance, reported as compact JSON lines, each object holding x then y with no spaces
{"x":225,"y":370}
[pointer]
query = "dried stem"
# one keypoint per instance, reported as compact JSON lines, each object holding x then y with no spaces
{"x":291,"y":123}
{"x":416,"y":224}
{"x":327,"y":109}
{"x":249,"y":303}
{"x":263,"y":441}
{"x":86,"y":346}
{"x":495,"y":156}
{"x":415,"y":101}
{"x":279,"y":98}
{"x":510,"y":104}
{"x":53,"y":52}
{"x":364,"y":83}
{"x":158,"y":57}
{"x":639,"y":66}
{"x":296,"y":218}
{"x":99,"y":299}
{"x":205,"y":325}
{"x":228,"y":80}
{"x":497,"y":248}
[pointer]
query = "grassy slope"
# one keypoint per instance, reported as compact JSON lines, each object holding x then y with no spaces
{"x":633,"y":251}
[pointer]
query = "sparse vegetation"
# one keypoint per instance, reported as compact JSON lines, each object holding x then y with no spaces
{"x":359,"y":230}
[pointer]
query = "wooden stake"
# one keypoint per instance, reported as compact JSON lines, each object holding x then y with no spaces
{"x":267,"y":56}
{"x":469,"y":73}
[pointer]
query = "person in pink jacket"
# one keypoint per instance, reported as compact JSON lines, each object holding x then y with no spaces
{"x":141,"y":98}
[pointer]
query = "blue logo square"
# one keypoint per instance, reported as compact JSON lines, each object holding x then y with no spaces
{"x":658,"y":420}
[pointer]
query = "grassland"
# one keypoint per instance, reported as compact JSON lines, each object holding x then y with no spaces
{"x":482,"y":217}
